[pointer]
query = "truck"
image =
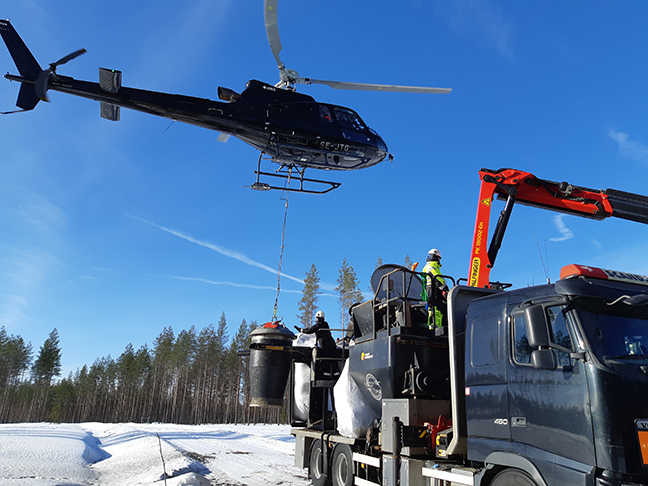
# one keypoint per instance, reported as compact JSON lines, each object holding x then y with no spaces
{"x":538,"y":386}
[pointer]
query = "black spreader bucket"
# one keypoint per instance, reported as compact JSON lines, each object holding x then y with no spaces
{"x":269,"y":364}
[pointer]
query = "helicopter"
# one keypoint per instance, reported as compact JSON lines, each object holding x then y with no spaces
{"x":289,"y":128}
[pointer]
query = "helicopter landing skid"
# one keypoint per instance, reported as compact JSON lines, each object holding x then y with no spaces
{"x":289,"y":177}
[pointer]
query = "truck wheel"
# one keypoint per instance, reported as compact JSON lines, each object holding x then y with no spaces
{"x":342,"y":468}
{"x":512,"y":477}
{"x":315,"y":465}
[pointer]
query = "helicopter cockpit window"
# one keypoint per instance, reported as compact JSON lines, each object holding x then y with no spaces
{"x":325,"y":114}
{"x":349,"y":119}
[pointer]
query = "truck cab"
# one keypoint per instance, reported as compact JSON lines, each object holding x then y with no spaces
{"x":556,"y":380}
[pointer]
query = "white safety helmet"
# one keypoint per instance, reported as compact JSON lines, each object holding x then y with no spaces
{"x":434,"y":254}
{"x":319,"y":314}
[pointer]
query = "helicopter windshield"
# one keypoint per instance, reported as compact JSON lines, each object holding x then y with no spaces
{"x":349,"y":119}
{"x":353,"y":128}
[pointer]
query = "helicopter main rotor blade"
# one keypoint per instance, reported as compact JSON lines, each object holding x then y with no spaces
{"x":272,"y":29}
{"x":377,"y":87}
{"x":69,"y":57}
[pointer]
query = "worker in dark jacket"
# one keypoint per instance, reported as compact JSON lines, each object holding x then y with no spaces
{"x":322,"y":331}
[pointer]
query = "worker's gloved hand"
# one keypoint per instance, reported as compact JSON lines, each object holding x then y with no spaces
{"x":298,"y":329}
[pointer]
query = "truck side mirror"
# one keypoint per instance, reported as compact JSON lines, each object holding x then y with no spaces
{"x":543,"y":359}
{"x":539,"y":336}
{"x":537,"y":325}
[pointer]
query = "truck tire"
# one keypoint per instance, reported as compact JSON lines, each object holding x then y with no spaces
{"x":315,"y":469}
{"x":512,"y":477}
{"x":342,"y":466}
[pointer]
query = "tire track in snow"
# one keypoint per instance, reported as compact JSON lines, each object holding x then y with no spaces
{"x":248,"y":463}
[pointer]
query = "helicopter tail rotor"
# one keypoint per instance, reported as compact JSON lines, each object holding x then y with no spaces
{"x":43,"y":77}
{"x":36,"y":89}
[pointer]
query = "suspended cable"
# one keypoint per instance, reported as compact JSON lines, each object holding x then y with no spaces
{"x":283,"y":235}
{"x":541,"y":260}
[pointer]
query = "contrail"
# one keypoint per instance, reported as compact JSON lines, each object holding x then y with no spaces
{"x":562,"y":227}
{"x":223,"y":251}
{"x":231,"y":284}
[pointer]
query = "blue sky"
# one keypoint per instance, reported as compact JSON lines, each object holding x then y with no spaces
{"x":111,"y":231}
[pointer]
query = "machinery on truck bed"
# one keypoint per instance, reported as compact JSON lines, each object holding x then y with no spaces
{"x":539,"y":386}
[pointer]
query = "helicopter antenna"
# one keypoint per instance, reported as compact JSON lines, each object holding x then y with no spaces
{"x":283,"y":235}
{"x":541,"y":260}
{"x":172,"y":122}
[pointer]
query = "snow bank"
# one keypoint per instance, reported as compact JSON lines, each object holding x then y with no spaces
{"x":47,"y":455}
{"x":129,"y":454}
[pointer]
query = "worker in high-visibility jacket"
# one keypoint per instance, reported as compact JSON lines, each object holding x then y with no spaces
{"x":435,"y":289}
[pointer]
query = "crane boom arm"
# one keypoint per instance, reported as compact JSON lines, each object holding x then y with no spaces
{"x":525,"y":188}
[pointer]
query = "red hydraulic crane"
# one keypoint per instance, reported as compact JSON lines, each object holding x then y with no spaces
{"x":525,"y":188}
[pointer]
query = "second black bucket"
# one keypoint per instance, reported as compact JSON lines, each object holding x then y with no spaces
{"x":270,"y":357}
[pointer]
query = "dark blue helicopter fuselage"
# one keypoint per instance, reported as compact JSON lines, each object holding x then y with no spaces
{"x":290,"y":127}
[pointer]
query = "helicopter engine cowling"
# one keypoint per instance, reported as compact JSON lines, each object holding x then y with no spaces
{"x":227,"y":94}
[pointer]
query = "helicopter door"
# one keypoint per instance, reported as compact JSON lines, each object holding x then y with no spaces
{"x":295,"y":116}
{"x":327,"y":125}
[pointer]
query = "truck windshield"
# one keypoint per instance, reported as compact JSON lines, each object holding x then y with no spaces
{"x":619,"y":331}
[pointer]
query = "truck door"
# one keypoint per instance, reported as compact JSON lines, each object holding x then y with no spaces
{"x":486,"y":388}
{"x":549,"y":409}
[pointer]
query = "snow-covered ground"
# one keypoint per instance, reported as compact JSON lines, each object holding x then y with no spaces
{"x":129,"y":454}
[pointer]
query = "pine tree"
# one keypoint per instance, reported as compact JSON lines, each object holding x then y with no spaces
{"x":19,"y":357}
{"x":182,"y":358}
{"x":4,"y":357}
{"x":221,"y":331}
{"x":379,"y":262}
{"x":408,"y":262}
{"x":235,"y":369}
{"x":348,"y":290}
{"x":220,"y":383}
{"x":48,"y":363}
{"x":310,"y":296}
{"x":162,"y":375}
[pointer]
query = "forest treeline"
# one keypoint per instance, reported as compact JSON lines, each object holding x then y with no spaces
{"x":191,"y":377}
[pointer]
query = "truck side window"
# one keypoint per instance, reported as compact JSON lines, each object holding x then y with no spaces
{"x":560,"y":333}
{"x":522,"y":350}
{"x":485,"y":344}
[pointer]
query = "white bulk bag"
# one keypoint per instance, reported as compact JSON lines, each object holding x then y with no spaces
{"x":354,"y":415}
